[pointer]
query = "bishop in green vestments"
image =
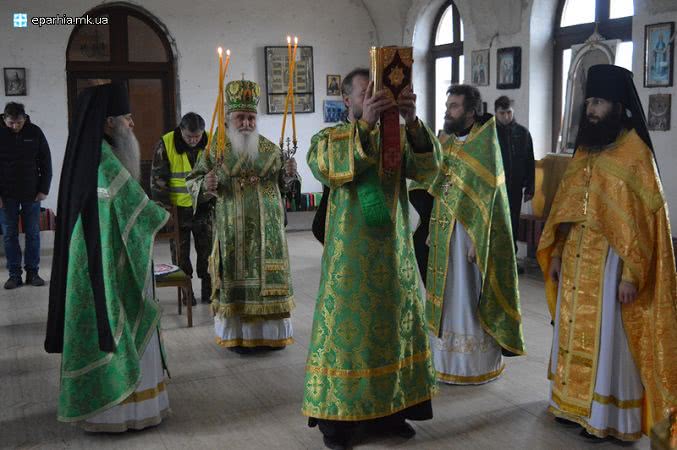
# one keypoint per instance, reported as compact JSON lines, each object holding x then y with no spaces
{"x":369,"y":356}
{"x":252,"y":295}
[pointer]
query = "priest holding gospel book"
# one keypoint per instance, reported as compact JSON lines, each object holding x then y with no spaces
{"x":369,"y":356}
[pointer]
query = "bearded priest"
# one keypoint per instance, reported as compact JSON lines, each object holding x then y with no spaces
{"x":252,"y":295}
{"x":609,"y":266}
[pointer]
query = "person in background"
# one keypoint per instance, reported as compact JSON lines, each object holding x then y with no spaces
{"x":25,"y":176}
{"x":517,"y":151}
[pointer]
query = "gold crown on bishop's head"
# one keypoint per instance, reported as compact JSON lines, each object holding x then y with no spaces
{"x":242,"y":95}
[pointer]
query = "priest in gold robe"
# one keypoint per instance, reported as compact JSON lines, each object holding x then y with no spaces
{"x":609,"y":267}
{"x":252,"y":295}
{"x":368,"y":356}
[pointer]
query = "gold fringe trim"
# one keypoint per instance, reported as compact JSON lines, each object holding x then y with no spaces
{"x":595,"y":431}
{"x":478,"y":379}
{"x":253,"y":309}
{"x":362,"y":373}
{"x":226,"y":343}
{"x":254,"y":319}
{"x":142,"y":396}
{"x":271,"y":292}
{"x":354,"y":418}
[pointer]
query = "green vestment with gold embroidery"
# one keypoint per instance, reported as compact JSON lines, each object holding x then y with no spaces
{"x":93,"y":381}
{"x":369,"y":355}
{"x":471,"y":189}
{"x":249,"y":265}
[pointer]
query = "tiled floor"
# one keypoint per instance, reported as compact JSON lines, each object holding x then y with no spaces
{"x":222,"y":400}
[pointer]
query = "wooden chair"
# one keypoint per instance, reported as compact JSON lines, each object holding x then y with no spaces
{"x":177,"y":279}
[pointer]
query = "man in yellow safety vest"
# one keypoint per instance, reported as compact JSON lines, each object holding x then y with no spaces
{"x":173,"y":159}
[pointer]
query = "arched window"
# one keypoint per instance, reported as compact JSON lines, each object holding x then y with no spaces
{"x":131,"y":47}
{"x":447,"y":53}
{"x":576,"y":21}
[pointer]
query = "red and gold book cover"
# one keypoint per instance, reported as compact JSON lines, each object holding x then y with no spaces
{"x":391,"y":70}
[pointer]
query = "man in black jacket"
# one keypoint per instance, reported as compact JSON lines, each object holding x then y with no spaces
{"x":25,"y":176}
{"x":517,"y":151}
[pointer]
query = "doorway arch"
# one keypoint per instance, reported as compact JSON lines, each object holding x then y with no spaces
{"x":133,"y":47}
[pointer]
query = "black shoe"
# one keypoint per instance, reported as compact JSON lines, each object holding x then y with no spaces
{"x":273,"y":349}
{"x":206,"y":290}
{"x":404,"y":430}
{"x":34,"y":279}
{"x":566,"y":423}
{"x":241,"y":350}
{"x":334,"y":444}
{"x":592,"y":438}
{"x":13,"y":283}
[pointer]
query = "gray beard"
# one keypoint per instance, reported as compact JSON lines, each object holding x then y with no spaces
{"x":244,"y":144}
{"x":126,"y":148}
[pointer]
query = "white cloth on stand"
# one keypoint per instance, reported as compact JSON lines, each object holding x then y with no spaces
{"x":464,"y":353}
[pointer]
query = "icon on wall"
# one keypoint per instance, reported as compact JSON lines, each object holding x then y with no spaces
{"x":333,"y":85}
{"x":508,"y":68}
{"x":15,"y":81}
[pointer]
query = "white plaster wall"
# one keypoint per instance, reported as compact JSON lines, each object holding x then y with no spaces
{"x":340,"y":33}
{"x":540,"y":73}
{"x":664,"y":142}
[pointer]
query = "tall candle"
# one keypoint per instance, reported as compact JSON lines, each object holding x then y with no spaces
{"x":286,"y":100}
{"x":221,"y":137}
{"x":225,"y":70}
{"x":291,"y":83}
{"x":219,"y":50}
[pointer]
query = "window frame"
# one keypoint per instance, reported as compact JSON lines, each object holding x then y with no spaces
{"x":565,"y":37}
{"x":119,"y":67}
{"x":453,"y":50}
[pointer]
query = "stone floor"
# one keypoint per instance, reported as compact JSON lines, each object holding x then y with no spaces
{"x":222,"y":400}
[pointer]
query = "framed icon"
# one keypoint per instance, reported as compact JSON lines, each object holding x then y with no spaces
{"x":277,"y":79}
{"x":658,"y":54}
{"x":509,"y":68}
{"x":15,"y":81}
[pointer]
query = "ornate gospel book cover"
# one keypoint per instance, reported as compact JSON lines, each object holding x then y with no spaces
{"x":391,"y":70}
